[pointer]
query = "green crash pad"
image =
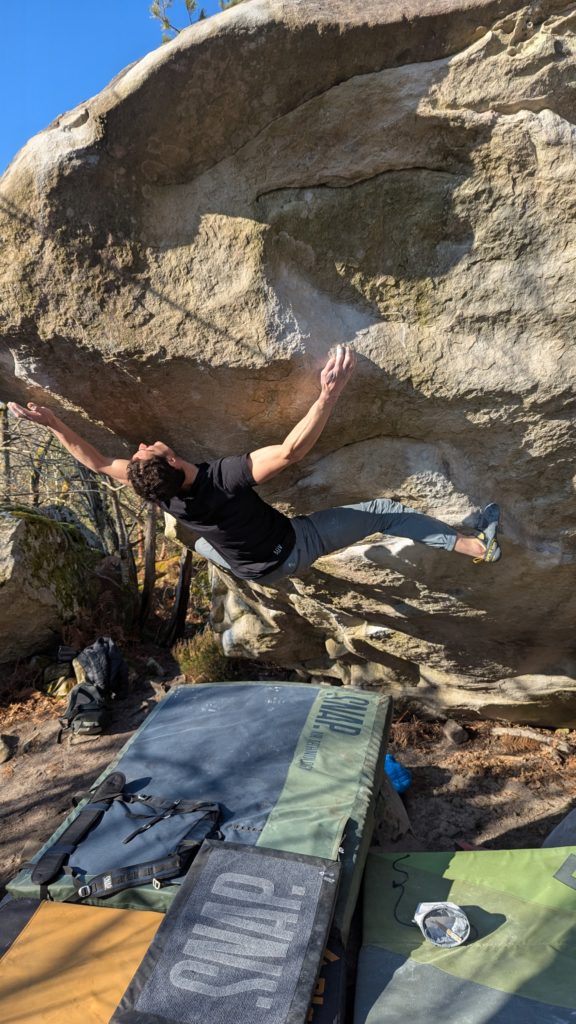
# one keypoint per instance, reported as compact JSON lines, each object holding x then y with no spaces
{"x":519,"y":964}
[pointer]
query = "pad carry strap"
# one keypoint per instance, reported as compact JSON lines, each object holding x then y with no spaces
{"x":50,"y":864}
{"x":167,"y":809}
{"x":129,"y":877}
{"x":110,"y":882}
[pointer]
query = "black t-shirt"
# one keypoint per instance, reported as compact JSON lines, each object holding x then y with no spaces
{"x":222,"y":506}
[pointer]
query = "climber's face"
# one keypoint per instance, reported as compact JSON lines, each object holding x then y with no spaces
{"x":148,"y":451}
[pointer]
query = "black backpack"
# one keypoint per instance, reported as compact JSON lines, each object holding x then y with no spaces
{"x":103,"y":672}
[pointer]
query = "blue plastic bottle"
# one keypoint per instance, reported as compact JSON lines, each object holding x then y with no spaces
{"x":400,"y":777}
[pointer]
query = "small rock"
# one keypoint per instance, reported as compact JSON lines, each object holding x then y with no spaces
{"x":56,"y":671}
{"x":457,"y":783}
{"x":40,"y":662}
{"x":161,"y":688}
{"x":30,"y":743}
{"x":153,"y":666}
{"x":5,"y":749}
{"x":454,"y":732}
{"x":393,"y":830}
{"x":49,"y":732}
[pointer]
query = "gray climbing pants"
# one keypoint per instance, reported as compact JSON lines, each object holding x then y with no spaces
{"x":323,"y":532}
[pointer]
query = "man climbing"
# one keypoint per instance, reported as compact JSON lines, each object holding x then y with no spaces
{"x":244,"y":534}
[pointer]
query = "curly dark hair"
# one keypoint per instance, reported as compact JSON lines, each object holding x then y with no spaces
{"x":155,"y":479}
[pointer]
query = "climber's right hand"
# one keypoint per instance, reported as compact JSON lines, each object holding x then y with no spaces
{"x":40,"y":414}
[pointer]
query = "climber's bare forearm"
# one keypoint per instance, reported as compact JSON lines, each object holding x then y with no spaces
{"x":78,"y":447}
{"x":88,"y":455}
{"x":268,"y":462}
{"x":305,"y":434}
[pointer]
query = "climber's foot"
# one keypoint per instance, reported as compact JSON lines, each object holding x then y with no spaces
{"x":487,"y":528}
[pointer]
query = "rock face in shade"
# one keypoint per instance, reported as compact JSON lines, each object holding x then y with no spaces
{"x":47,"y":575}
{"x":179,"y":254}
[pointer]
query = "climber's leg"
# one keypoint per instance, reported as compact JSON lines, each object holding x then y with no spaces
{"x":340,"y":527}
{"x":203,"y":547}
{"x":335,"y":528}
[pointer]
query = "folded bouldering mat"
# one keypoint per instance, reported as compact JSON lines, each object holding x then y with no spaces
{"x":333,"y":995}
{"x":328,"y":1002}
{"x":69,"y":964}
{"x":291,"y":767}
{"x":14,"y":915}
{"x":516,"y":967}
{"x":242,"y":941}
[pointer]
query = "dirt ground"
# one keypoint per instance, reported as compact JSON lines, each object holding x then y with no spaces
{"x":491,"y":791}
{"x":46,"y":769}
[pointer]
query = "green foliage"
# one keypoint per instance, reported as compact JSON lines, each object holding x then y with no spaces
{"x":201,"y":659}
{"x":200,"y":592}
{"x":68,"y":531}
{"x":160,"y":9}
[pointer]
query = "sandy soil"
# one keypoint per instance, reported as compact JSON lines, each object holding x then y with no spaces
{"x":492,"y":791}
{"x":47,"y":769}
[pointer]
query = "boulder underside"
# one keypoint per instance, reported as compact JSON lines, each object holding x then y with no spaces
{"x":180,"y":252}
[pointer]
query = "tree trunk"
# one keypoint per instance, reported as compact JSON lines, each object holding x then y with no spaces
{"x":176,"y":625}
{"x":98,"y":511}
{"x":5,"y":440}
{"x":149,"y":563}
{"x":127,"y":563}
{"x":37,"y":466}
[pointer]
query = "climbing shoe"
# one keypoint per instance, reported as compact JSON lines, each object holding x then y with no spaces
{"x":487,"y":527}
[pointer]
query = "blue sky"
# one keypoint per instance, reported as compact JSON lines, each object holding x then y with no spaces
{"x":55,"y":54}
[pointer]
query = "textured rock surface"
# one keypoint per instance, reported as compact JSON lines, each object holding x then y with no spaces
{"x":46,"y":576}
{"x":291,"y":174}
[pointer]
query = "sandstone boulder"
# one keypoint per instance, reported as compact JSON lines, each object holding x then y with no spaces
{"x":46,"y":576}
{"x":179,"y":253}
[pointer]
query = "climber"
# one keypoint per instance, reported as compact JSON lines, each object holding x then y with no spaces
{"x":244,"y":534}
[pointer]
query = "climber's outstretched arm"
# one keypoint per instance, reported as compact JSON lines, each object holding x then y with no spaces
{"x":76,"y":445}
{"x":267,"y":462}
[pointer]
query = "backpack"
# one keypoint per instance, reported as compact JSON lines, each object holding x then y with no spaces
{"x":101,"y":673}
